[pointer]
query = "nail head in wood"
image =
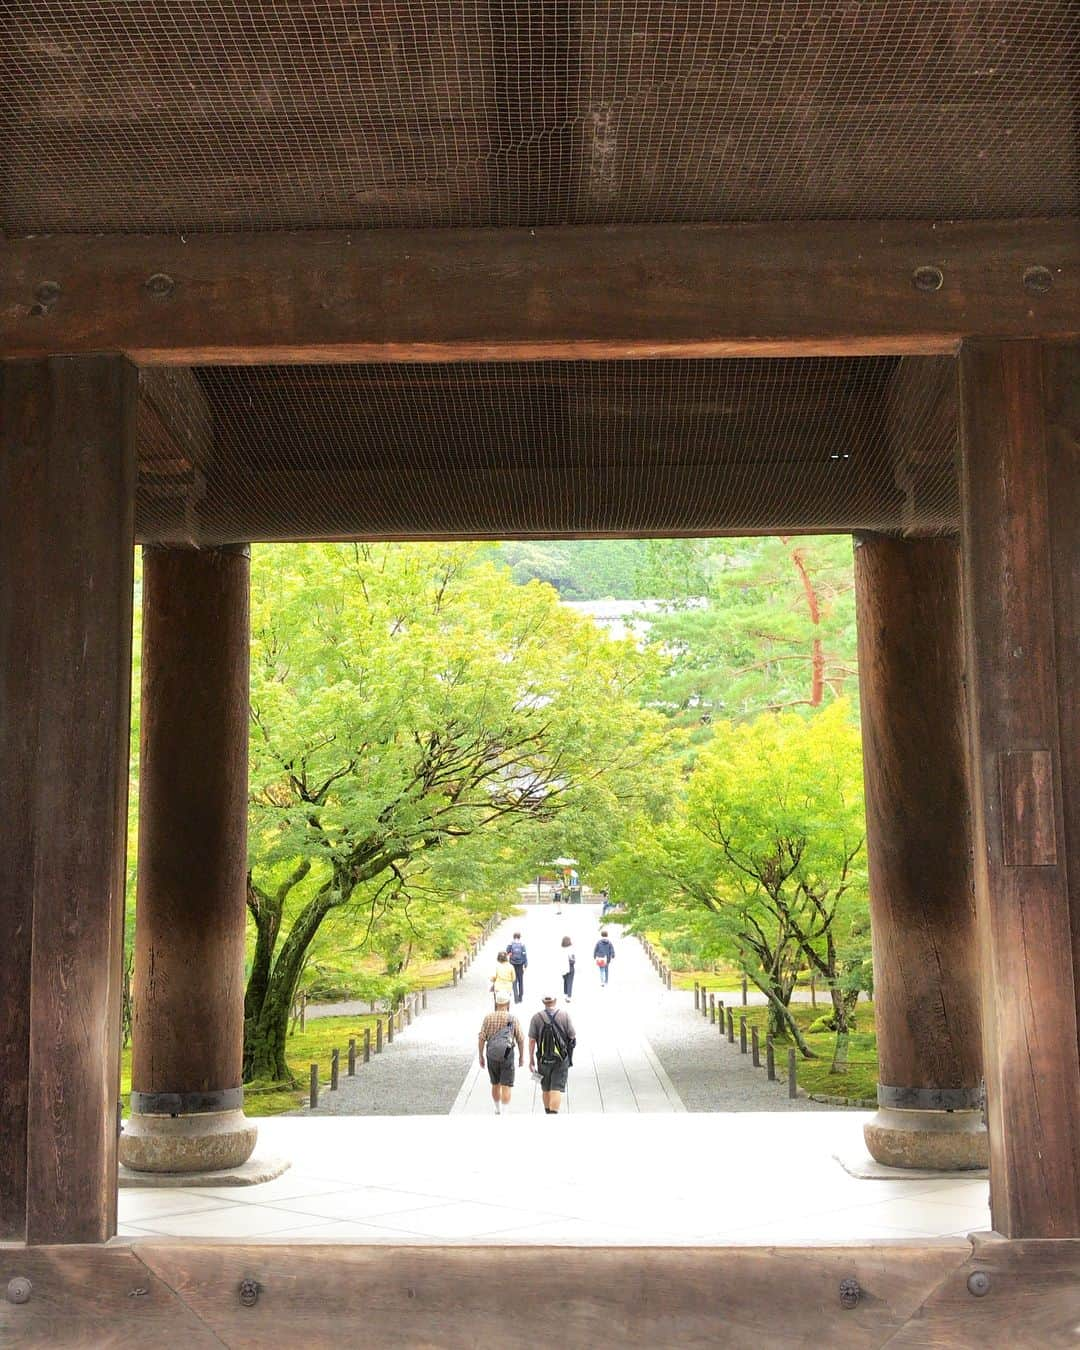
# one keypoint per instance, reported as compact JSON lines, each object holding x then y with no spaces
{"x":1038,"y":280}
{"x":928,"y":278}
{"x":159,"y":286}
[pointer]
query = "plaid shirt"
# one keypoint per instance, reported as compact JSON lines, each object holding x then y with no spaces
{"x":492,"y":1023}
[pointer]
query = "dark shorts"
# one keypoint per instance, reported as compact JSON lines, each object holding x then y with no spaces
{"x":501,"y":1071}
{"x":553,"y":1076}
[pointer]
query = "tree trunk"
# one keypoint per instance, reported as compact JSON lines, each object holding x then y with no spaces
{"x":265,"y":1032}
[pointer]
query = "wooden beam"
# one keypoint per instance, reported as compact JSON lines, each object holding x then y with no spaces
{"x":175,"y":434}
{"x":830,"y":288}
{"x":67,"y":469}
{"x":1020,"y":430}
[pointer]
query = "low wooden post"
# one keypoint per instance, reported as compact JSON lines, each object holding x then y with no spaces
{"x":770,"y":1060}
{"x":755,"y":1052}
{"x":669,"y":978}
{"x":407,"y":1012}
{"x":390,"y":1030}
{"x":313,"y":1090}
{"x":335,"y":1068}
{"x":423,"y":1000}
{"x":303,"y":1010}
{"x":720,"y":1014}
{"x":367,"y":1045}
{"x":352,"y":1057}
{"x":455,"y":973}
{"x":697,"y":995}
{"x":378,"y":1036}
{"x":742,"y":1035}
{"x":712,"y":1009}
{"x":731,"y":1027}
{"x":744,"y":991}
{"x":792,"y":1080}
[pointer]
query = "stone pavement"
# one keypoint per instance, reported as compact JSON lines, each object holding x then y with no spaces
{"x":640,"y":1047}
{"x":582,"y":1179}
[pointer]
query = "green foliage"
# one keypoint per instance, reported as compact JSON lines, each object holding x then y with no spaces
{"x":754,"y":624}
{"x":579,"y":569}
{"x":423,"y":731}
{"x":759,"y":859}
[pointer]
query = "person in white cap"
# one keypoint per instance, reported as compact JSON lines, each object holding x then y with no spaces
{"x":500,"y":1032}
{"x":551,"y":1046}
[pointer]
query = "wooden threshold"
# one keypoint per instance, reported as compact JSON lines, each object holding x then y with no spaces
{"x":906,"y":1294}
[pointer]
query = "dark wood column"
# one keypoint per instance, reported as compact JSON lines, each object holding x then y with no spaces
{"x":191,"y":903}
{"x":67,"y":472}
{"x":922,"y":902}
{"x":1020,"y":428}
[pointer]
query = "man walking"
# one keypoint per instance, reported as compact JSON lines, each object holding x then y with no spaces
{"x":551,"y":1048}
{"x":519,"y":959}
{"x":499,"y":1032}
{"x":603,"y":955}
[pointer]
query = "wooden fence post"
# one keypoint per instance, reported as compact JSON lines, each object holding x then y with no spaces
{"x":335,"y":1069}
{"x":378,"y":1037}
{"x":792,"y":1080}
{"x":770,"y":1060}
{"x":742,"y":1035}
{"x":390,"y":1030}
{"x":352,"y":1057}
{"x":669,"y":977}
{"x":744,"y":990}
{"x":731,"y":1026}
{"x":407,"y":1012}
{"x":697,"y":994}
{"x":755,"y":1052}
{"x":423,"y":1000}
{"x":455,"y":977}
{"x":303,"y":1010}
{"x":712,"y":1009}
{"x":720,"y":1014}
{"x":313,"y":1090}
{"x":367,"y":1045}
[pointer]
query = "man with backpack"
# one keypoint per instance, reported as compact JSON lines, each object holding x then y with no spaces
{"x":499,"y":1033}
{"x":603,"y":955}
{"x":551,"y":1049}
{"x":519,"y":960}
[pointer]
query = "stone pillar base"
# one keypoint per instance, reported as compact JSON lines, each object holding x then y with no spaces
{"x":200,"y":1142}
{"x":946,"y":1141}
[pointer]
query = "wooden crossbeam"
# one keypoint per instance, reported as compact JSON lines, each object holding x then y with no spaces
{"x":828,"y":287}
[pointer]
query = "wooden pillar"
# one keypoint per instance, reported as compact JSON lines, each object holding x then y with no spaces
{"x":188,"y":1028}
{"x":918,"y":838}
{"x":67,"y":475}
{"x":1020,"y":491}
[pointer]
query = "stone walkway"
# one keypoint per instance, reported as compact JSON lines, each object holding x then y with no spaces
{"x":641,"y":1049}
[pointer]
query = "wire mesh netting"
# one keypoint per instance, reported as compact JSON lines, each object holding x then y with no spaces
{"x":164,"y":115}
{"x":547,"y":448}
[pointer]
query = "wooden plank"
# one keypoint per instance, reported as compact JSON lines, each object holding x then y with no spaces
{"x":639,"y":1297}
{"x":67,"y":440}
{"x":104,"y":1297}
{"x":1031,"y":1300}
{"x":842,"y":288}
{"x":1020,"y":559}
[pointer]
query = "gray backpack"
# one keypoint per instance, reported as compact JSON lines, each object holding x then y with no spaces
{"x":500,"y":1045}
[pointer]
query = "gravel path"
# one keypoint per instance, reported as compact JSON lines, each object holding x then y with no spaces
{"x":426,"y":1068}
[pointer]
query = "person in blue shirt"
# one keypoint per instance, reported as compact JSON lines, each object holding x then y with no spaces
{"x":603,"y":955}
{"x":519,"y":960}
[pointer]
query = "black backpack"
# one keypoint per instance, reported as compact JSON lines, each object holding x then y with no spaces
{"x":553,"y":1044}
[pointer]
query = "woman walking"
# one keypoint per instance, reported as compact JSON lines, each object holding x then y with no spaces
{"x":502,"y":981}
{"x":568,"y":973}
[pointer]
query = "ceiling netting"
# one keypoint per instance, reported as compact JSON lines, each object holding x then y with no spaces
{"x":172,"y":115}
{"x":546,"y":448}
